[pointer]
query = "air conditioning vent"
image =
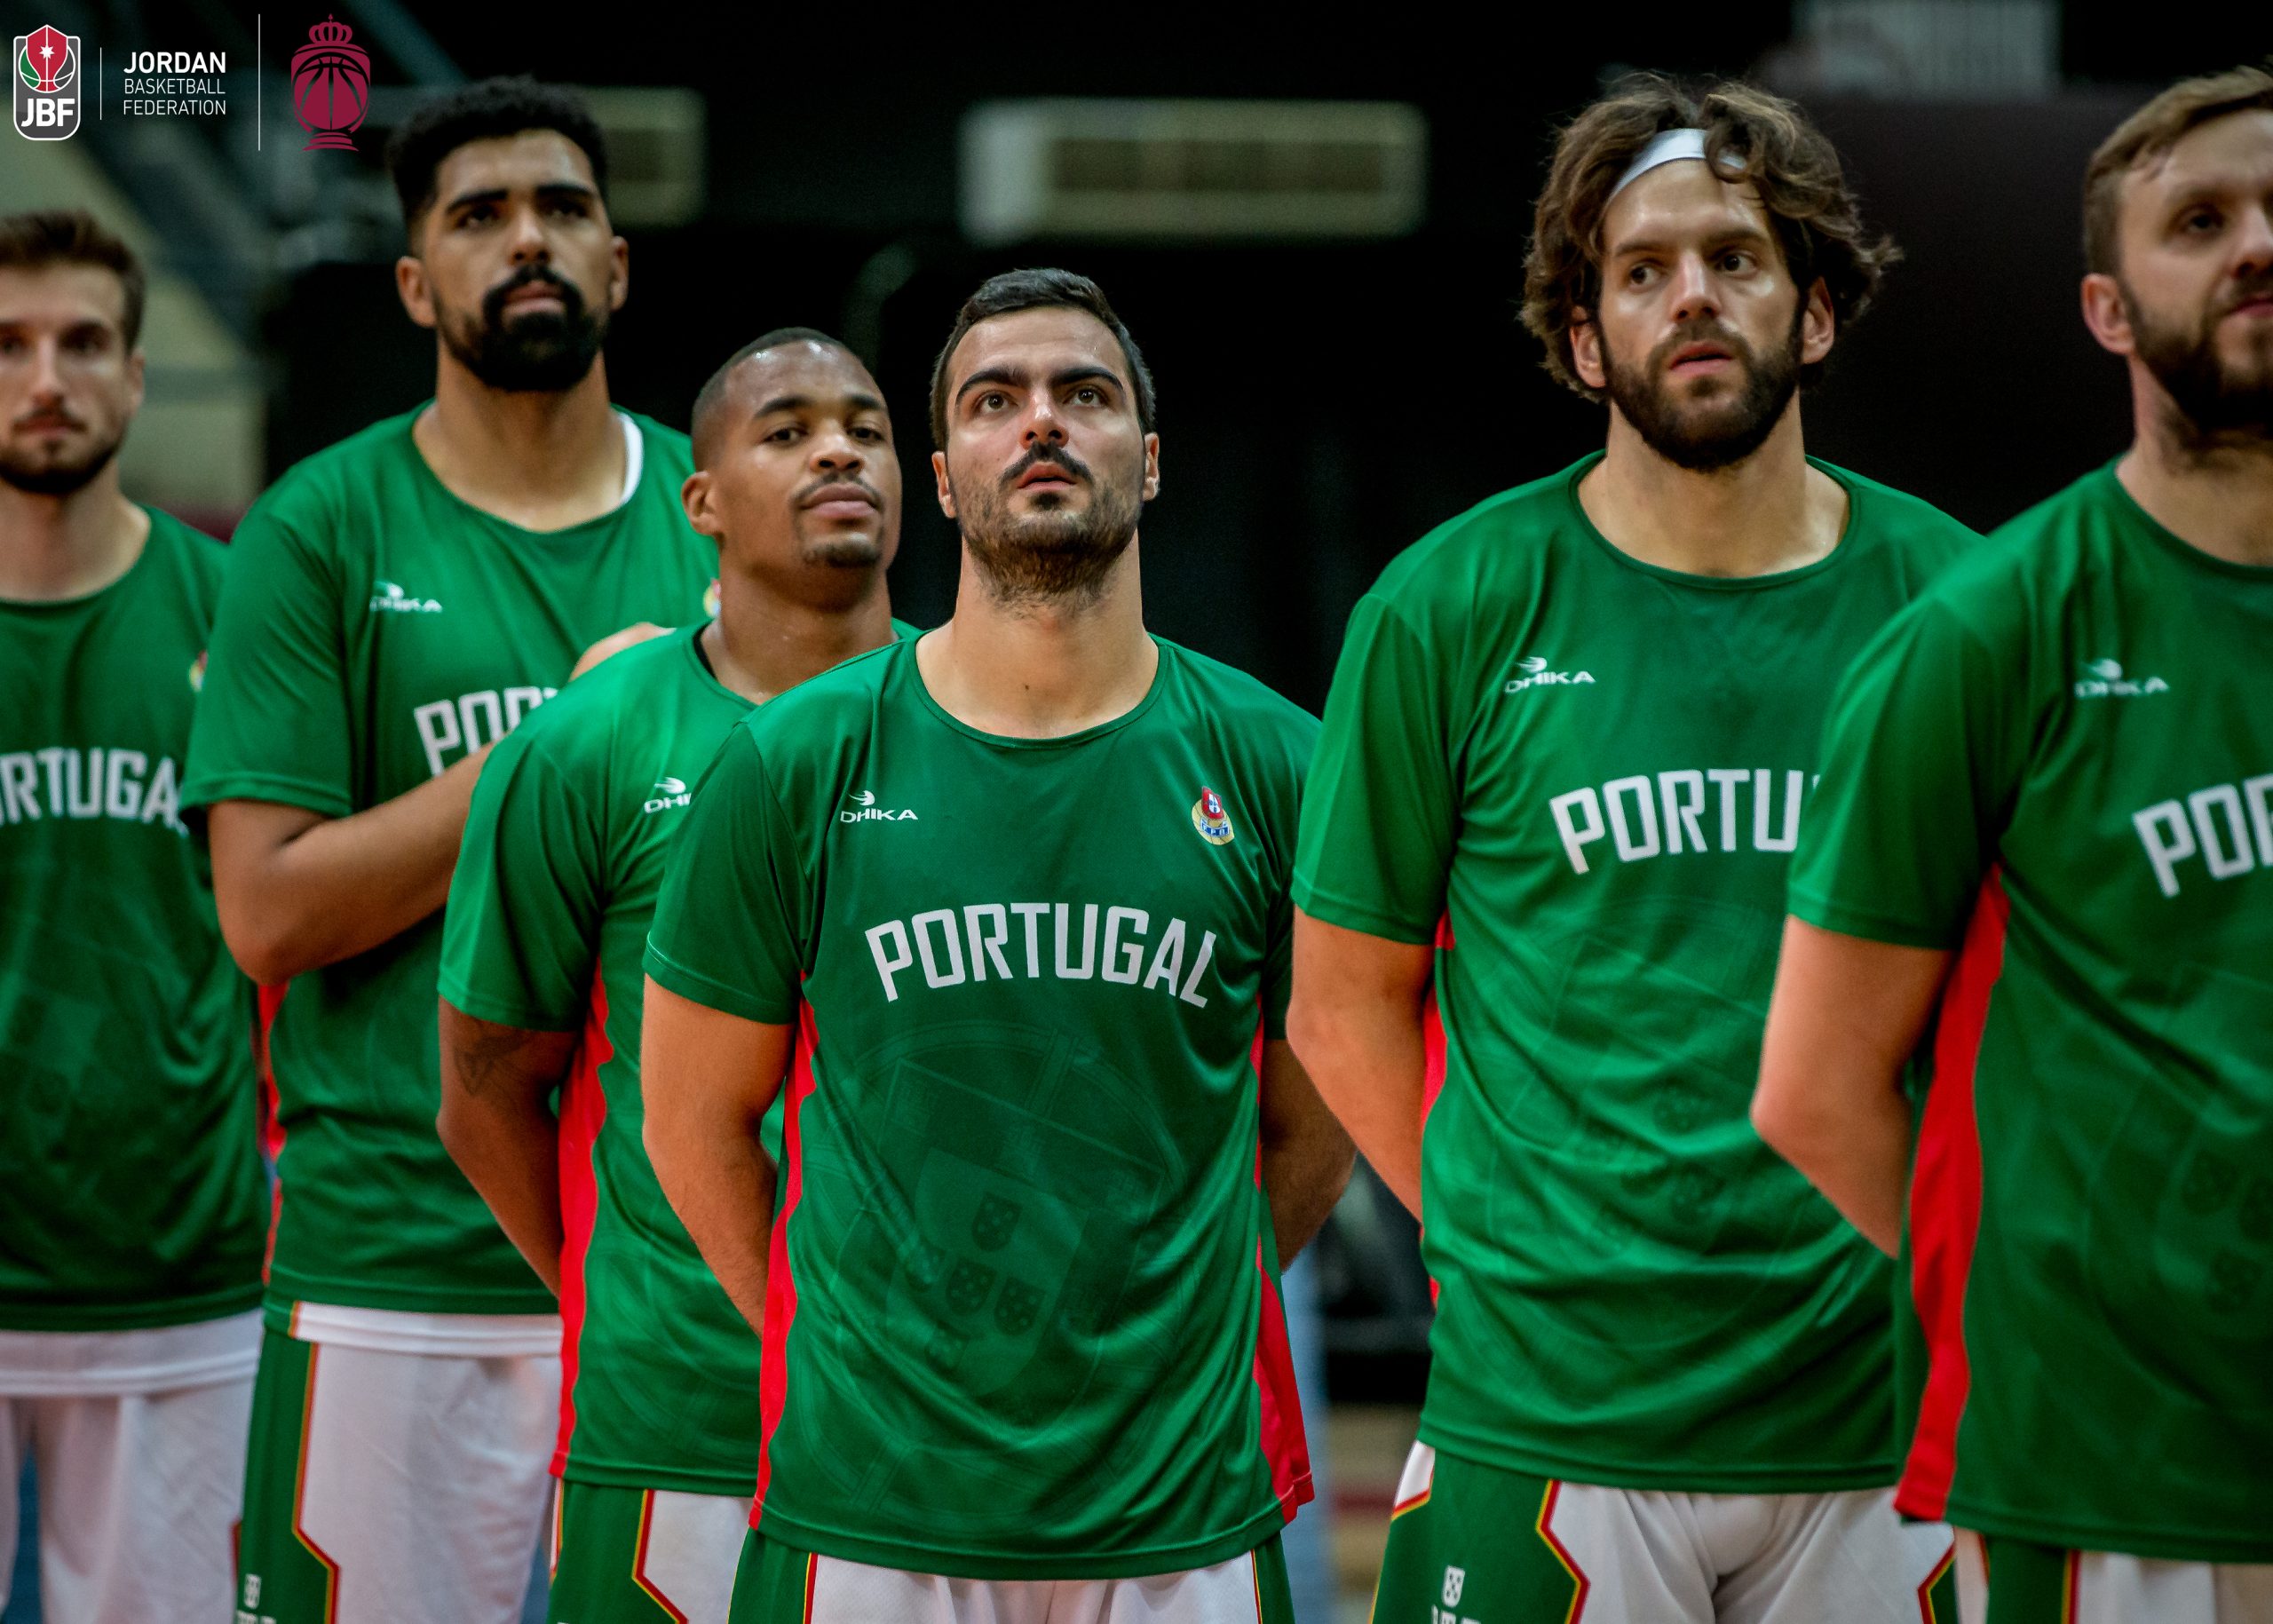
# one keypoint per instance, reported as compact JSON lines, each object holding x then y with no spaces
{"x":655,"y":153}
{"x":1186,"y":169}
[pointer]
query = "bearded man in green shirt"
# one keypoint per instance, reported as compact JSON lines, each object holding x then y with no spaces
{"x":2044,"y":835}
{"x":130,"y":1187}
{"x":1574,"y":727}
{"x":396,"y":604}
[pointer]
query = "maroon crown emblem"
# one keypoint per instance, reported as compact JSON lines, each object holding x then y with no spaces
{"x":331,"y":86}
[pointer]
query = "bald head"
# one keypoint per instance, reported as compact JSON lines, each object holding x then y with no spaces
{"x":742,"y":375}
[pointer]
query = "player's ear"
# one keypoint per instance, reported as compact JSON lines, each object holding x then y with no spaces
{"x":2105,"y":314}
{"x":695,"y":495}
{"x":1818,"y":326}
{"x":410,"y":285}
{"x":939,"y":477}
{"x":1152,"y":466}
{"x":619,"y":274}
{"x":137,"y":374}
{"x":1586,"y":350}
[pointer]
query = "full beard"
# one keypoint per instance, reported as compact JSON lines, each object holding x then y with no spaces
{"x":2219,"y":407}
{"x":56,"y":479}
{"x":1706,"y":437}
{"x":1050,"y":555}
{"x":541,"y":352}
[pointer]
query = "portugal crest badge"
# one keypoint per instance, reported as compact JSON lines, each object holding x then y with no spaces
{"x":1209,"y":818}
{"x":47,"y":84}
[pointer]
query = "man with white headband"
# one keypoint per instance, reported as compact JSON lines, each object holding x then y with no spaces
{"x":1563,"y":771}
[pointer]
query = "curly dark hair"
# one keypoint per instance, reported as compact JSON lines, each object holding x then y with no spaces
{"x":483,"y":111}
{"x":1749,"y":134}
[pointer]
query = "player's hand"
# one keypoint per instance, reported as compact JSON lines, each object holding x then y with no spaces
{"x":614,"y":644}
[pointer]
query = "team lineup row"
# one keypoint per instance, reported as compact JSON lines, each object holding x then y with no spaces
{"x":838,"y":1098}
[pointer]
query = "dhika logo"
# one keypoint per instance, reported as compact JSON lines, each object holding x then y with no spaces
{"x":2104,"y":679}
{"x":47,"y":84}
{"x":1535,"y":675}
{"x":1209,"y":818}
{"x":867,"y":811}
{"x":669,"y":792}
{"x":388,"y":598}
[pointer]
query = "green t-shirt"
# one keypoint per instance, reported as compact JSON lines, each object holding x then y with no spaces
{"x":2060,"y":762}
{"x":1022,"y":1317}
{"x":547,"y":920}
{"x":130,"y":1187}
{"x":1592,"y":770}
{"x":375,"y":628}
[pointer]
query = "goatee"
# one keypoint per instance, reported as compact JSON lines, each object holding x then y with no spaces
{"x":543,"y":352}
{"x":1051,"y":554}
{"x":1707,"y":435}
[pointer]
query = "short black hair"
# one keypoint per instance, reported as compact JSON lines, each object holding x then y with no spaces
{"x":713,"y":393}
{"x":1043,"y":289}
{"x":45,"y":237}
{"x":483,"y":111}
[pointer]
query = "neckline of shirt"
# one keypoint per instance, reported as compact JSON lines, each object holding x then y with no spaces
{"x":58,"y":607}
{"x":2185,"y":551}
{"x":1839,"y":549}
{"x":903,"y":649}
{"x":634,"y":462}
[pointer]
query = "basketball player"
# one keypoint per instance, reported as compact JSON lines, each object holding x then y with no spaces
{"x":399,"y":602}
{"x":797,"y":481}
{"x":2045,"y":828}
{"x":1009,"y":903}
{"x":1576,"y":724}
{"x":129,"y":1168}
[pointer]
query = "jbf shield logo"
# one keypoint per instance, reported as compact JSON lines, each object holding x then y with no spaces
{"x":47,"y":84}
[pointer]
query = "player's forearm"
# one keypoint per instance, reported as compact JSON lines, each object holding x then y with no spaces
{"x":1303,"y":1175}
{"x":497,"y":1126}
{"x":1841,"y":1022}
{"x":297,"y":891}
{"x":1369,"y":1062}
{"x":721,"y":1185}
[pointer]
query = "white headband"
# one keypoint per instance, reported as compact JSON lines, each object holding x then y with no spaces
{"x":1666,"y":146}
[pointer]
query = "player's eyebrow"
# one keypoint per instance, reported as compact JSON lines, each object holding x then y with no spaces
{"x":497,"y":194}
{"x":1089,"y":374}
{"x":856,"y":401}
{"x":1745,"y":234}
{"x":1016,"y":377}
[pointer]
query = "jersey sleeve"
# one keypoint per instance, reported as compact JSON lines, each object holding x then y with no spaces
{"x":1921,"y":763}
{"x":732,"y":923}
{"x":1379,"y":811}
{"x":521,"y":932}
{"x":273,"y":717}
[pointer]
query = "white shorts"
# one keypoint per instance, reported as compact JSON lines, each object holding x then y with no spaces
{"x":2109,"y":1587}
{"x":1475,"y":1544}
{"x":854,"y":1593}
{"x":626,"y":1555}
{"x":394,"y":1488}
{"x":138,"y":1495}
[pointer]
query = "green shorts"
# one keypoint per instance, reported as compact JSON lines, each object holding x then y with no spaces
{"x":779,"y":1585}
{"x":625,"y":1555}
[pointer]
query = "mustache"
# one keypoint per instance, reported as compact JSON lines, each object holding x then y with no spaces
{"x":492,"y":303}
{"x":806,"y":494}
{"x":2257,"y":285}
{"x":1057,"y":456}
{"x":53,"y":417}
{"x":1700,"y":329}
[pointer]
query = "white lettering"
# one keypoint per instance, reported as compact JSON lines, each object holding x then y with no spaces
{"x":945,"y":919}
{"x":2259,"y":790}
{"x":90,"y":805}
{"x":1762,"y":782}
{"x":988,"y":946}
{"x":1727,"y":778}
{"x":471,"y":708}
{"x":901,"y":959}
{"x":1199,"y":964}
{"x":1576,"y":836}
{"x":164,"y":797}
{"x":438,"y":731}
{"x":1139,"y":922}
{"x":1167,"y":958}
{"x":122,"y":787}
{"x":19,"y":785}
{"x":1633,"y":849}
{"x":1680,"y":815}
{"x":520,"y":702}
{"x":2224,"y":864}
{"x":1065,"y":971}
{"x":1032,"y":913}
{"x":2165,"y":852}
